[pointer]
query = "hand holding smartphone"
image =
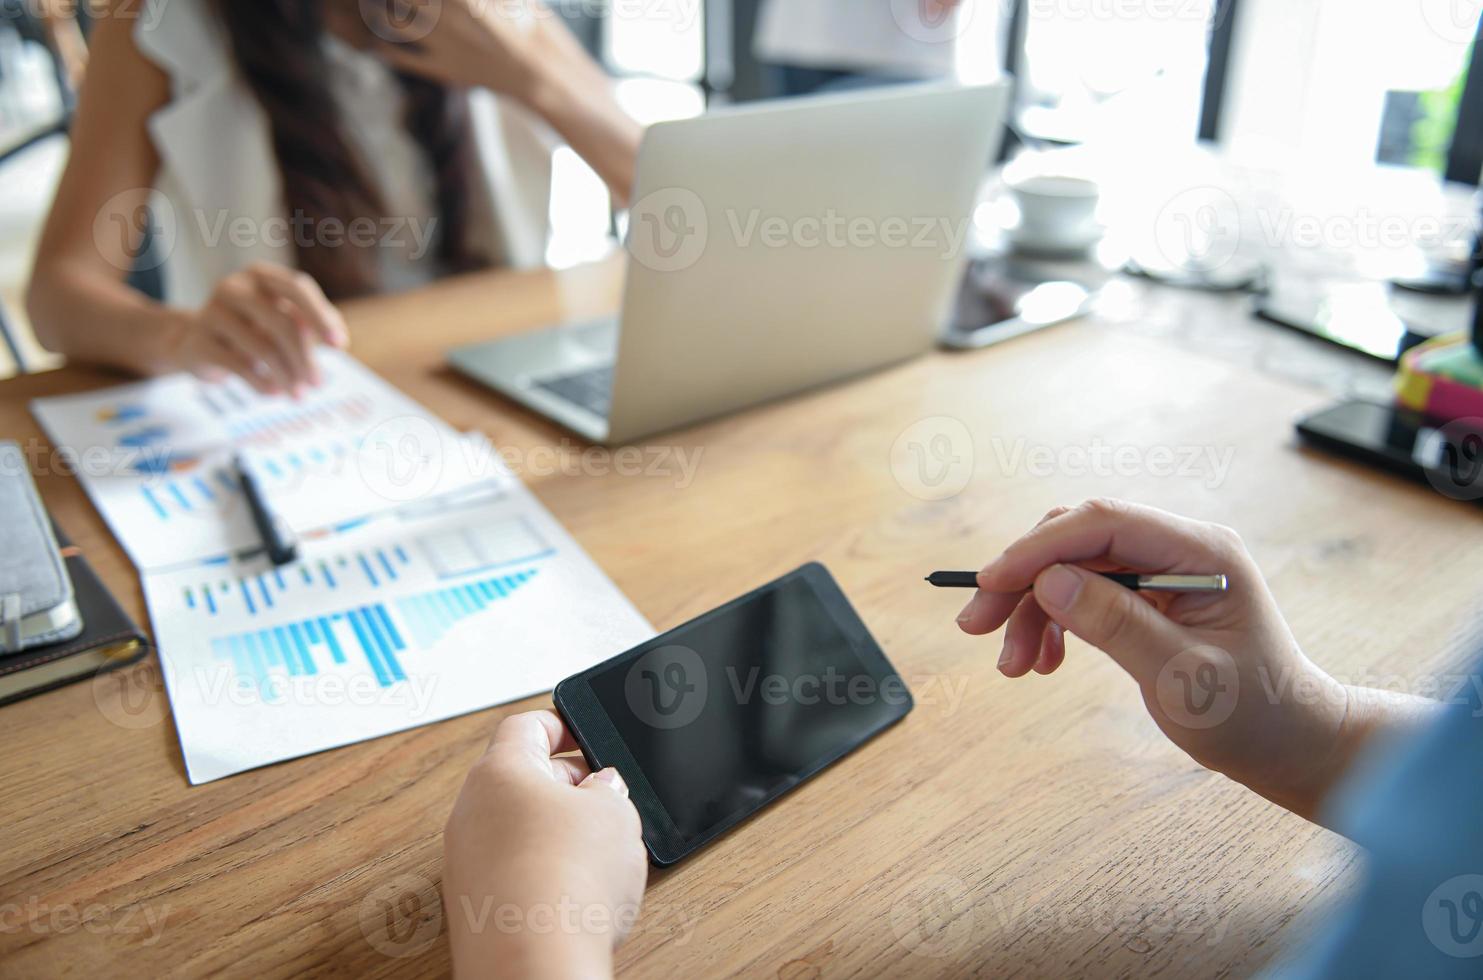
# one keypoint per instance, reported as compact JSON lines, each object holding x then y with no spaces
{"x":715,"y":719}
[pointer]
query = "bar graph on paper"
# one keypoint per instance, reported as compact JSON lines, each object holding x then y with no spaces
{"x":435,"y":609}
{"x":430,"y":582}
{"x":300,"y":647}
{"x":373,"y":605}
{"x":220,"y":588}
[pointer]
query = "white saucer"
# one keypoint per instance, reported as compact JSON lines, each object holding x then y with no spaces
{"x":1039,"y":243}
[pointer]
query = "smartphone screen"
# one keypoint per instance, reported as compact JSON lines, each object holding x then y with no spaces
{"x":712,"y":720}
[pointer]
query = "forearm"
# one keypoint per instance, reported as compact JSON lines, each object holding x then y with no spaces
{"x":77,"y":312}
{"x":575,"y":96}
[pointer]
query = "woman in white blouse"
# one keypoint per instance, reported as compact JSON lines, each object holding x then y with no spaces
{"x":285,"y":154}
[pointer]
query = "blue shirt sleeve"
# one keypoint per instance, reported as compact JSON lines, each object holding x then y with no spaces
{"x":1419,"y":814}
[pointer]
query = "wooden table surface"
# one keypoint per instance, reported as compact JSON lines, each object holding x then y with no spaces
{"x":1040,"y":827}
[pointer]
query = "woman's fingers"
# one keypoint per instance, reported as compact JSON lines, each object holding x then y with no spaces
{"x":221,"y":355}
{"x":268,"y":372}
{"x":307,"y":300}
{"x":1129,"y":535}
{"x":272,"y":323}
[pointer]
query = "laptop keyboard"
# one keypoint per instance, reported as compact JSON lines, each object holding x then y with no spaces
{"x":591,"y":389}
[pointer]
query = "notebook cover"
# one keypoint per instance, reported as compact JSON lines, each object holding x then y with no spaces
{"x":105,"y":624}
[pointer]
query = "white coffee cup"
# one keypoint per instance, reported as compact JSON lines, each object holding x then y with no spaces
{"x":1056,"y":212}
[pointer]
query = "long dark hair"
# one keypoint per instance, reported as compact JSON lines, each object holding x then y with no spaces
{"x":278,"y":46}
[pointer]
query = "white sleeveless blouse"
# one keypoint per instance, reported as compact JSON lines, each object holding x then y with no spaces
{"x":219,"y":197}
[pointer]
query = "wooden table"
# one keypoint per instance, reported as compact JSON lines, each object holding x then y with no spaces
{"x":1040,"y":827}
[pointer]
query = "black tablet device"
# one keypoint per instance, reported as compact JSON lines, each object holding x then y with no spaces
{"x":715,"y":719}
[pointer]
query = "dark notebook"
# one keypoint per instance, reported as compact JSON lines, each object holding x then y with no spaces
{"x":109,"y":639}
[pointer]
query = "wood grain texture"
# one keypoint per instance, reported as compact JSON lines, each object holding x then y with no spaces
{"x":1040,"y":827}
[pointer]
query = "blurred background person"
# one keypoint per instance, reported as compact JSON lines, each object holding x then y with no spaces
{"x":270,"y":157}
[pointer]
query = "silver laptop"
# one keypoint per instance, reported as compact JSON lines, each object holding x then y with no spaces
{"x":772,"y":248}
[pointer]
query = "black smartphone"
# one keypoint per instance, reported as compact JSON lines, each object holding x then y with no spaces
{"x":999,"y":299}
{"x":1446,"y":455}
{"x":713,"y":720}
{"x":1358,"y":316}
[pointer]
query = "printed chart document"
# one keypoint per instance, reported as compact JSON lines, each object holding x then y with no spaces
{"x":429,"y":581}
{"x":423,"y":613}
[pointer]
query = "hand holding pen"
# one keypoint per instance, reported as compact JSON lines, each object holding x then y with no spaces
{"x":1205,"y":662}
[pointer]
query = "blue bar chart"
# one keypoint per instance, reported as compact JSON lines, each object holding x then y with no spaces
{"x":386,"y":622}
{"x":432,"y":614}
{"x":296,"y":648}
{"x":304,"y":647}
{"x":221,"y":589}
